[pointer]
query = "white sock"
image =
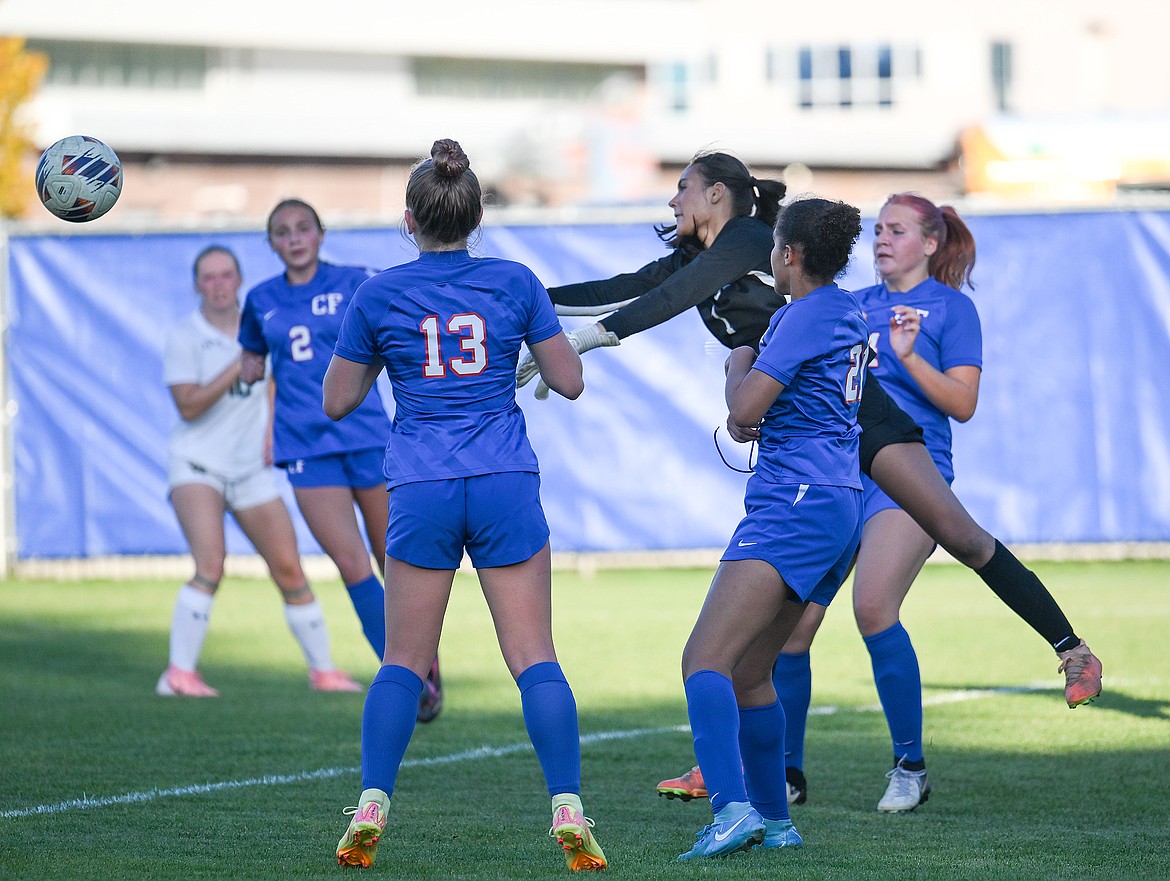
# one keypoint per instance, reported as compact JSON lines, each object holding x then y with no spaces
{"x":307,"y":623}
{"x":571,"y":799}
{"x":189,"y":626}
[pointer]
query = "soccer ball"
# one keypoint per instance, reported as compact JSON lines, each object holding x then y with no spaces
{"x":79,"y":178}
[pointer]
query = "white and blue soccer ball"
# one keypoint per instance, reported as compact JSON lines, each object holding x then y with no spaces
{"x":79,"y":178}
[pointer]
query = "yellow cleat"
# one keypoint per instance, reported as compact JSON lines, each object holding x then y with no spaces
{"x":574,"y":833}
{"x":359,"y":844}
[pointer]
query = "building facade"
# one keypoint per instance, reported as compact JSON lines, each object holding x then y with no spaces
{"x":221,"y":108}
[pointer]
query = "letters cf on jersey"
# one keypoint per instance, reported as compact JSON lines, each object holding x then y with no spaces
{"x":326,"y":304}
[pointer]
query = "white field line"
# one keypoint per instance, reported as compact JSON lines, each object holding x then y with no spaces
{"x":480,"y":752}
{"x":949,"y":697}
{"x":86,"y":802}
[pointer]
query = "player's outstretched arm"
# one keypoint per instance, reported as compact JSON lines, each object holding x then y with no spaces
{"x":559,"y":364}
{"x":582,"y":340}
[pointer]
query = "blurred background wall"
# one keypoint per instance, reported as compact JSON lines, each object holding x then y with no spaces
{"x":221,"y":108}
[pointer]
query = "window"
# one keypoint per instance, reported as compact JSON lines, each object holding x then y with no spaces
{"x":1001,"y":74}
{"x":844,"y":76}
{"x":123,"y":65}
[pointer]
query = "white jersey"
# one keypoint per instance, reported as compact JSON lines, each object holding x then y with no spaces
{"x":228,"y":439}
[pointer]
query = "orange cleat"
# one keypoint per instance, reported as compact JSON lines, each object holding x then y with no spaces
{"x":332,"y":680}
{"x":690,"y":785}
{"x":1082,"y":675}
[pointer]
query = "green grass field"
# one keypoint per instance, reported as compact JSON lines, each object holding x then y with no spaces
{"x":100,"y":779}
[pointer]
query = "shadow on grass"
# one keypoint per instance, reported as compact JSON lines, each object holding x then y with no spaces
{"x":1111,"y":698}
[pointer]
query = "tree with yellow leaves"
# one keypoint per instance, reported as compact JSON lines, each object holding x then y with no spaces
{"x":20,"y":75}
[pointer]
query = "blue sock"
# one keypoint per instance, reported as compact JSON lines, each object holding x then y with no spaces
{"x":387,"y":724}
{"x":369,"y":601}
{"x":899,"y":688}
{"x":792,"y":678}
{"x":715,"y":726}
{"x":550,"y":715}
{"x":761,"y":742}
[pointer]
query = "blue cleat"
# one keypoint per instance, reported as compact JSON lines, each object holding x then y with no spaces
{"x":780,"y":833}
{"x":742,"y":829}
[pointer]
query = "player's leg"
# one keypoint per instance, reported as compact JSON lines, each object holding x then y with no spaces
{"x":372,"y":505}
{"x":426,"y":529}
{"x":792,"y":679}
{"x":791,"y":674}
{"x":416,"y":600}
{"x":200,"y":509}
{"x":893,"y":551}
{"x":744,"y":599}
{"x":520,"y":599}
{"x":511,"y":553}
{"x":909,"y":476}
{"x":268,"y":526}
{"x":329,"y":513}
{"x":762,"y":729}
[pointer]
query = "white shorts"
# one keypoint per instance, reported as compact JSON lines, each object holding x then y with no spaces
{"x":240,"y":493}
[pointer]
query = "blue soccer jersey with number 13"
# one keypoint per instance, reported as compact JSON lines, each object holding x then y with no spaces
{"x":449,"y":327}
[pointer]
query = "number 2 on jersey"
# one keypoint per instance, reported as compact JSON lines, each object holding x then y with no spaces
{"x":856,"y":376}
{"x":473,"y":342}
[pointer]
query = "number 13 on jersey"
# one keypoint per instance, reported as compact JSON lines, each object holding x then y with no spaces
{"x":472,"y":334}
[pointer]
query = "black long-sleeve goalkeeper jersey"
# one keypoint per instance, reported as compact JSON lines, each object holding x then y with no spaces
{"x":730,"y":283}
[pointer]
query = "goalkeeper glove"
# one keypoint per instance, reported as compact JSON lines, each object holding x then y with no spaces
{"x":583,"y":339}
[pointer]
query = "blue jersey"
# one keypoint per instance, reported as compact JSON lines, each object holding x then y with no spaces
{"x":448,"y":328}
{"x":297,"y":326}
{"x":816,"y":347}
{"x":950,"y":336}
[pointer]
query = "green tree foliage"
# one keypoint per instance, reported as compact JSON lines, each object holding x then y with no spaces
{"x":20,"y":75}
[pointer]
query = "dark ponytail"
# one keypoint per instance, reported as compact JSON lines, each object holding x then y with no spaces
{"x":750,"y":196}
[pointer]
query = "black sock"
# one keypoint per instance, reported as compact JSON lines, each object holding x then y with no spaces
{"x":1027,"y":596}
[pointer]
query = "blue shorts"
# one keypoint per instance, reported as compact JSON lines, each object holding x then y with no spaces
{"x":808,"y":534}
{"x":358,"y":469}
{"x":496,"y":517}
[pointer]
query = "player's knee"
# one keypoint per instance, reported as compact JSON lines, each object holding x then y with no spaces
{"x":753,"y":688}
{"x":353,"y":567}
{"x":872,"y":615}
{"x":972,"y":548}
{"x":207,"y":578}
{"x":287,"y":572}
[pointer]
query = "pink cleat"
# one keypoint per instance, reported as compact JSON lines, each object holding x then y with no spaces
{"x":185,"y":683}
{"x":332,"y":680}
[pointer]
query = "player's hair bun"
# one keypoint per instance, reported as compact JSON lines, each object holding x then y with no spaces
{"x":449,"y":158}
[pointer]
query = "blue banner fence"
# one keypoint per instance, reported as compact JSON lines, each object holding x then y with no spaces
{"x":1069,"y":443}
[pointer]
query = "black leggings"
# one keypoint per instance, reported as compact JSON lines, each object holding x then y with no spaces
{"x":882,"y":423}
